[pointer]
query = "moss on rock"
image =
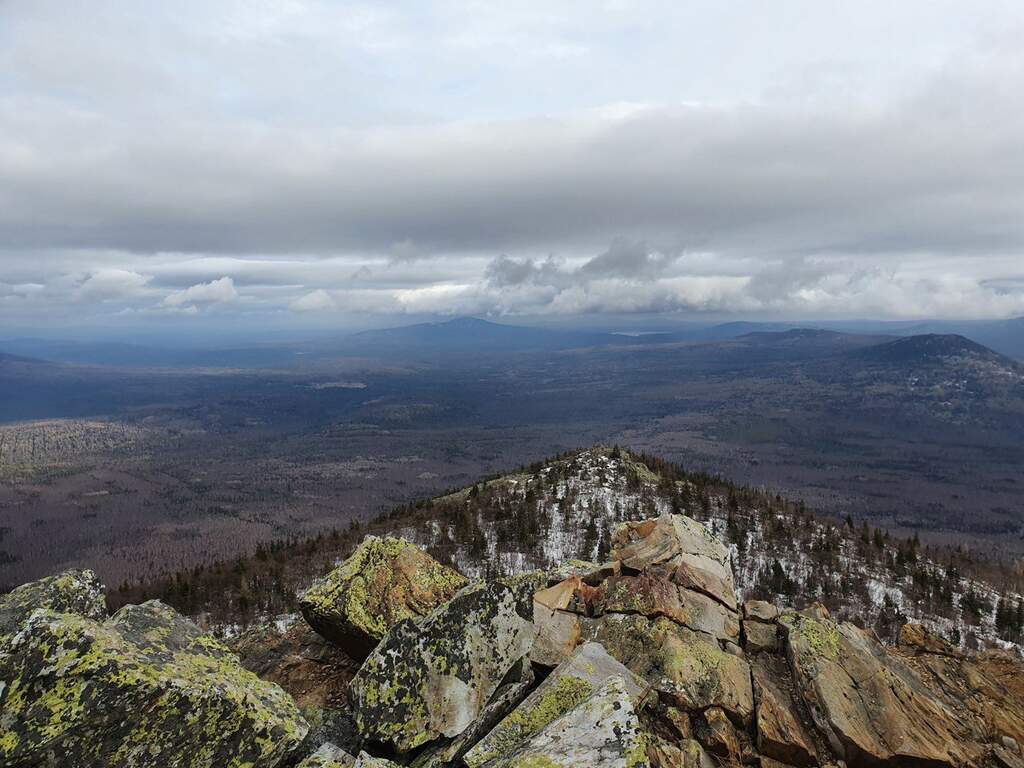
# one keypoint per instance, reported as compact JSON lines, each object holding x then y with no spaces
{"x":142,"y":688}
{"x":383,"y":582}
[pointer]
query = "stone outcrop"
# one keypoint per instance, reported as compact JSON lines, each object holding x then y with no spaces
{"x":647,"y":660}
{"x":687,"y":667}
{"x":434,"y":677}
{"x":383,"y":582}
{"x":781,"y":734}
{"x":602,"y":731}
{"x":679,"y":546}
{"x":568,"y":686}
{"x":144,"y":687}
{"x":867,"y":702}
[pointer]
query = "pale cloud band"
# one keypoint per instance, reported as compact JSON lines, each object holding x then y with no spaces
{"x":130,"y":184}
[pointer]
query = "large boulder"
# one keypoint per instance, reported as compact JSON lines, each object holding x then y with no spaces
{"x":76,"y":592}
{"x":568,"y":686}
{"x":681,"y":548}
{"x":383,"y":582}
{"x":653,"y":596}
{"x":145,"y":687}
{"x":686,"y":667}
{"x":870,"y":705}
{"x":434,"y":677}
{"x":602,"y":731}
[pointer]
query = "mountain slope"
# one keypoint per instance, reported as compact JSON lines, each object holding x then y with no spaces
{"x":567,"y":508}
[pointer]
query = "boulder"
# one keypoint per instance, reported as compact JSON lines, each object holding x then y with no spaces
{"x":759,"y":610}
{"x":760,"y":638}
{"x":384,"y":581}
{"x":328,"y":756}
{"x":653,"y":595}
{"x":558,"y":625}
{"x":688,"y":668}
{"x":870,"y":705}
{"x":433,"y":677}
{"x":75,"y":592}
{"x":145,"y":687}
{"x":681,"y":548}
{"x":571,"y":683}
{"x":602,"y":731}
{"x":445,"y":753}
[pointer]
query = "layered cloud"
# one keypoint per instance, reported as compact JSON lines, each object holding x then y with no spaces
{"x":315,"y":158}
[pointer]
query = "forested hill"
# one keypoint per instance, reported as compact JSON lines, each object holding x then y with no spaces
{"x":555,"y":511}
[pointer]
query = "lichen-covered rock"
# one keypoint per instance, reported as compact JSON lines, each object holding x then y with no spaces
{"x":681,"y":548}
{"x":366,"y":760}
{"x":384,"y":581}
{"x":433,"y":677}
{"x":653,"y":595}
{"x":143,"y":688}
{"x":686,"y":667}
{"x":601,"y":731}
{"x":328,"y":756}
{"x":566,"y":687}
{"x":76,"y":592}
{"x":870,"y":705}
{"x":445,"y":753}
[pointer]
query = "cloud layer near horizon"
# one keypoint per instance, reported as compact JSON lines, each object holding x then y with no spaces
{"x":317,"y":158}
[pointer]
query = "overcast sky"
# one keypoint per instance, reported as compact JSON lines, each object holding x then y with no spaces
{"x":289,"y":162}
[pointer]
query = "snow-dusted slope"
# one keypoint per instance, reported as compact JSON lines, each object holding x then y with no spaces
{"x":567,"y":508}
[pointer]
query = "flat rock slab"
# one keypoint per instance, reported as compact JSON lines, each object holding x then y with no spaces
{"x":143,"y":688}
{"x":870,"y":705}
{"x":432,"y":678}
{"x":571,"y":683}
{"x":780,"y":734}
{"x":602,"y":731}
{"x":384,"y":581}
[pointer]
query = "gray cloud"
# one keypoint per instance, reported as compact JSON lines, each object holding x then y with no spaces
{"x":341,"y":157}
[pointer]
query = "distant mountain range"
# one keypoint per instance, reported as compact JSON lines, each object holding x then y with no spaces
{"x":470,"y":335}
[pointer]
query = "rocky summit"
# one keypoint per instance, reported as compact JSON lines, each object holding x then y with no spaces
{"x":647,"y":659}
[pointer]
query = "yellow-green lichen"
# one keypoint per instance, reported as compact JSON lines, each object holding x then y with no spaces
{"x":550,"y":703}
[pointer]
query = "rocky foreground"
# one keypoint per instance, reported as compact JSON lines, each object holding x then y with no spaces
{"x":645,"y":660}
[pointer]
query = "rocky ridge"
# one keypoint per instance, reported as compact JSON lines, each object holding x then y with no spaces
{"x":647,"y":658}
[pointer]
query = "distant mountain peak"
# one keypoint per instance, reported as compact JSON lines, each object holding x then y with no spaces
{"x":933,"y":348}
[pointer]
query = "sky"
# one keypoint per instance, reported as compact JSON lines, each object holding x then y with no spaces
{"x":293,"y":163}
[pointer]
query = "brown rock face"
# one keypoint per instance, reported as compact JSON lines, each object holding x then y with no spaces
{"x":760,"y":637}
{"x":313,"y":670}
{"x":688,"y":668}
{"x":870,"y":705}
{"x":679,"y":546}
{"x":654,"y":596}
{"x":780,"y":734}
